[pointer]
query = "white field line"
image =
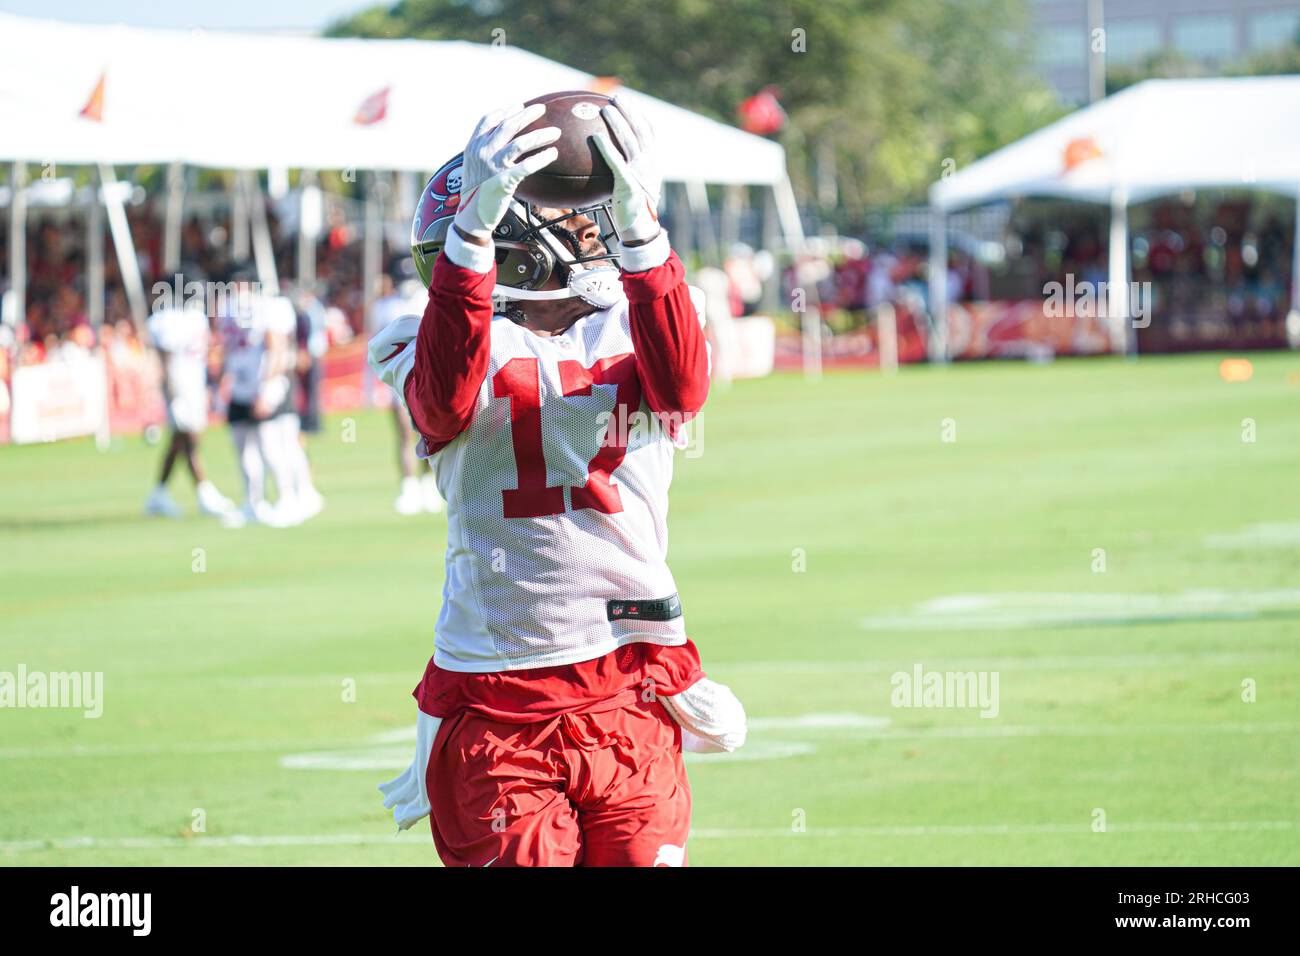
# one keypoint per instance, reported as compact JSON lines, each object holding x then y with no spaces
{"x":1031,"y":609}
{"x":186,"y":748}
{"x":1257,"y":536}
{"x":1053,"y":663}
{"x":247,"y":841}
{"x":274,"y":680}
{"x":868,"y":727}
{"x":985,"y":729}
{"x":1000,"y":829}
{"x":819,"y":722}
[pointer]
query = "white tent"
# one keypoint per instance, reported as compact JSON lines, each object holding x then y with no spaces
{"x":248,"y":101}
{"x":1155,"y":138}
{"x":86,"y":94}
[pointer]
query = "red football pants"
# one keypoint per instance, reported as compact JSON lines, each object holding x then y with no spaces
{"x":594,"y":789}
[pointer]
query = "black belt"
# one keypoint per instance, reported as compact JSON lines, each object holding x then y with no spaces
{"x":651,"y":609}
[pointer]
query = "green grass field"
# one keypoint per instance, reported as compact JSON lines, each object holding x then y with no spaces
{"x":1120,"y":691}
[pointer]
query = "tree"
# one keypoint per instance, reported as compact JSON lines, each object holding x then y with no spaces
{"x":894,"y":86}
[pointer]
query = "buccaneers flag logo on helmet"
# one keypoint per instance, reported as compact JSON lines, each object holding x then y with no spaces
{"x":433,"y":215}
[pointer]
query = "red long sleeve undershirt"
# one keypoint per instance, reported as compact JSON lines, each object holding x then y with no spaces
{"x":451,"y":352}
{"x":453,"y":347}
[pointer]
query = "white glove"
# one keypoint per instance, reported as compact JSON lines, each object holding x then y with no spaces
{"x":712,"y":718}
{"x":637,"y":180}
{"x":493,"y":170}
{"x":407,"y":794}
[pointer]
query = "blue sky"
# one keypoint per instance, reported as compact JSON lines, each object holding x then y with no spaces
{"x":298,"y":15}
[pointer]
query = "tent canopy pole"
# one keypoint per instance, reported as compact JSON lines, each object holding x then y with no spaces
{"x":697,"y":200}
{"x":810,"y":319}
{"x":937,"y":341}
{"x":263,"y":249}
{"x":128,"y":262}
{"x":1118,"y":278}
{"x":16,"y":298}
{"x":309,"y":221}
{"x":95,"y":256}
{"x":175,"y":211}
{"x":372,"y":248}
{"x":733,"y":204}
{"x":1293,"y":316}
{"x":239,"y":244}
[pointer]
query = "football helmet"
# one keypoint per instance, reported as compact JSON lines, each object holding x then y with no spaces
{"x":530,"y":250}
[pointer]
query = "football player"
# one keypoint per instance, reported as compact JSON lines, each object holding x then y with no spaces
{"x":563,"y":686}
{"x":257,"y":333}
{"x":181,"y":336}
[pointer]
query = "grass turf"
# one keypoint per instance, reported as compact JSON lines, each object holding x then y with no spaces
{"x":817,"y":519}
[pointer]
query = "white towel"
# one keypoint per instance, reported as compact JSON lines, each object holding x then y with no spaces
{"x":407,"y":794}
{"x":712,"y":718}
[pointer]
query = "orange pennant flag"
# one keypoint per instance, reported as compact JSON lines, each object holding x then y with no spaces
{"x":607,"y":85}
{"x":94,"y":108}
{"x":1080,"y":151}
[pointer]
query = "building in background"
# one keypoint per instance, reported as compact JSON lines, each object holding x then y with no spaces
{"x":1211,"y":32}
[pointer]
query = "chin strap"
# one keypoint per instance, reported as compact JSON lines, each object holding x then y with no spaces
{"x":506,"y":292}
{"x":599,"y":287}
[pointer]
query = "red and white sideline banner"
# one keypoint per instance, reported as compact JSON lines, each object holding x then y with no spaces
{"x":58,"y":400}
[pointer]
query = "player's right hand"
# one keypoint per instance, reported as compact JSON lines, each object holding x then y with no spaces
{"x":638,"y":183}
{"x":493,"y":169}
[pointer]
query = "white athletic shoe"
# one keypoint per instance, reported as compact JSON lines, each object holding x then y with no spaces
{"x":213,"y":502}
{"x":161,"y":505}
{"x":411,"y":500}
{"x":239,"y":517}
{"x":261,"y":513}
{"x":312,"y":504}
{"x":285,"y":513}
{"x":429,"y":491}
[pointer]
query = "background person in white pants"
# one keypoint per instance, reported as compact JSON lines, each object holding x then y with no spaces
{"x":181,"y":336}
{"x":258,"y":331}
{"x":281,"y":428}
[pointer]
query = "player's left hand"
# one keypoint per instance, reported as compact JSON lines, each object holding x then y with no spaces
{"x":637,"y":180}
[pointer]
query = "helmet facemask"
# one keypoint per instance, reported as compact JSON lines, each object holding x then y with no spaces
{"x":530,"y":249}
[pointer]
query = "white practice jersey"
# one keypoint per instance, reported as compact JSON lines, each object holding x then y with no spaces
{"x":182,"y":335}
{"x":243,"y":336}
{"x":557,"y":504}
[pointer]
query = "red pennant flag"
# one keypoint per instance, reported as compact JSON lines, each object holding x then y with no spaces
{"x":373,"y":109}
{"x":94,"y":108}
{"x":762,"y":113}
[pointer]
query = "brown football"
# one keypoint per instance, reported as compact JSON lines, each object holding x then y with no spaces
{"x":579,"y":176}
